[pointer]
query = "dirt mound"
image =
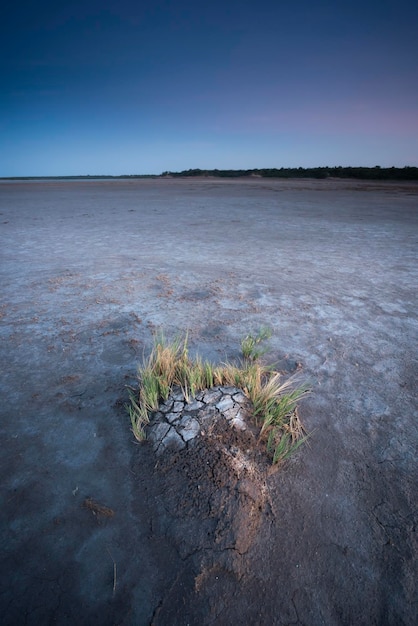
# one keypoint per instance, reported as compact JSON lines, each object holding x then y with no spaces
{"x":210,"y":494}
{"x":217,"y":490}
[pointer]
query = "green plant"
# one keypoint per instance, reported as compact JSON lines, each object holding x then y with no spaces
{"x":274,"y":401}
{"x":139,"y":419}
{"x":281,"y":445}
{"x":250,"y":345}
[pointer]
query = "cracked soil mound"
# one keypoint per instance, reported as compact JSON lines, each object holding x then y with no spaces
{"x":213,"y":473}
{"x":211,"y":497}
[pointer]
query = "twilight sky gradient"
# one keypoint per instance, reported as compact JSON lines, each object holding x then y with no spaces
{"x":124,"y":87}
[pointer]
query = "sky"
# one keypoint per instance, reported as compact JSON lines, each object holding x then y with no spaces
{"x":112,"y":87}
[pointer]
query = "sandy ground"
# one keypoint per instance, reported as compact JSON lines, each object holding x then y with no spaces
{"x":88,"y":271}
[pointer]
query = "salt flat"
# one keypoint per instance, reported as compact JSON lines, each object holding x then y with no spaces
{"x":89,"y":270}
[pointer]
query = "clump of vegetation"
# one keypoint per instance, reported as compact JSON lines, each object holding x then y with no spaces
{"x":251,"y":347}
{"x":274,"y":400}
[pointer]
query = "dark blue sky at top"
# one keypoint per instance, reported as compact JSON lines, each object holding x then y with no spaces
{"x":141,"y":87}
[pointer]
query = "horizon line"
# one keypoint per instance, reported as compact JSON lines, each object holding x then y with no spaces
{"x":243,"y":171}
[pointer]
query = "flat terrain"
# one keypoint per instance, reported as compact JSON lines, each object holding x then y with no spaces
{"x":91,"y":531}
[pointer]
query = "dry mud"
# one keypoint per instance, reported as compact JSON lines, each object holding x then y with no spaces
{"x":97,"y":529}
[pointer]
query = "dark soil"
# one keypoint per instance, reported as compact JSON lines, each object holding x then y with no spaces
{"x":98,"y":529}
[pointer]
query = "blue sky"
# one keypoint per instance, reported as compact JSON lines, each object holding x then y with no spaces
{"x":112,"y":87}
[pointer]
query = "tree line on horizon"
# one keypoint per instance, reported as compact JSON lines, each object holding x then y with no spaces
{"x":365,"y":173}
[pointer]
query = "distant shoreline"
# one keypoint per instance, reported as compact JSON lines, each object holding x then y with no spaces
{"x":406,"y":173}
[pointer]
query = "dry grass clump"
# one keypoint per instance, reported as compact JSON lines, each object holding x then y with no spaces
{"x":274,"y":401}
{"x":97,"y":509}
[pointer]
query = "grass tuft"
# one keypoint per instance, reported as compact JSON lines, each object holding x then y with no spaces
{"x":274,"y":401}
{"x":251,"y":347}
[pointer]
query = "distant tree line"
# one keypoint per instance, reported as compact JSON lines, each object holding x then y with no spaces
{"x":365,"y":173}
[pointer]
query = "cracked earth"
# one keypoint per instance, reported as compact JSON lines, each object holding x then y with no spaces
{"x":179,"y":420}
{"x":184,"y":529}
